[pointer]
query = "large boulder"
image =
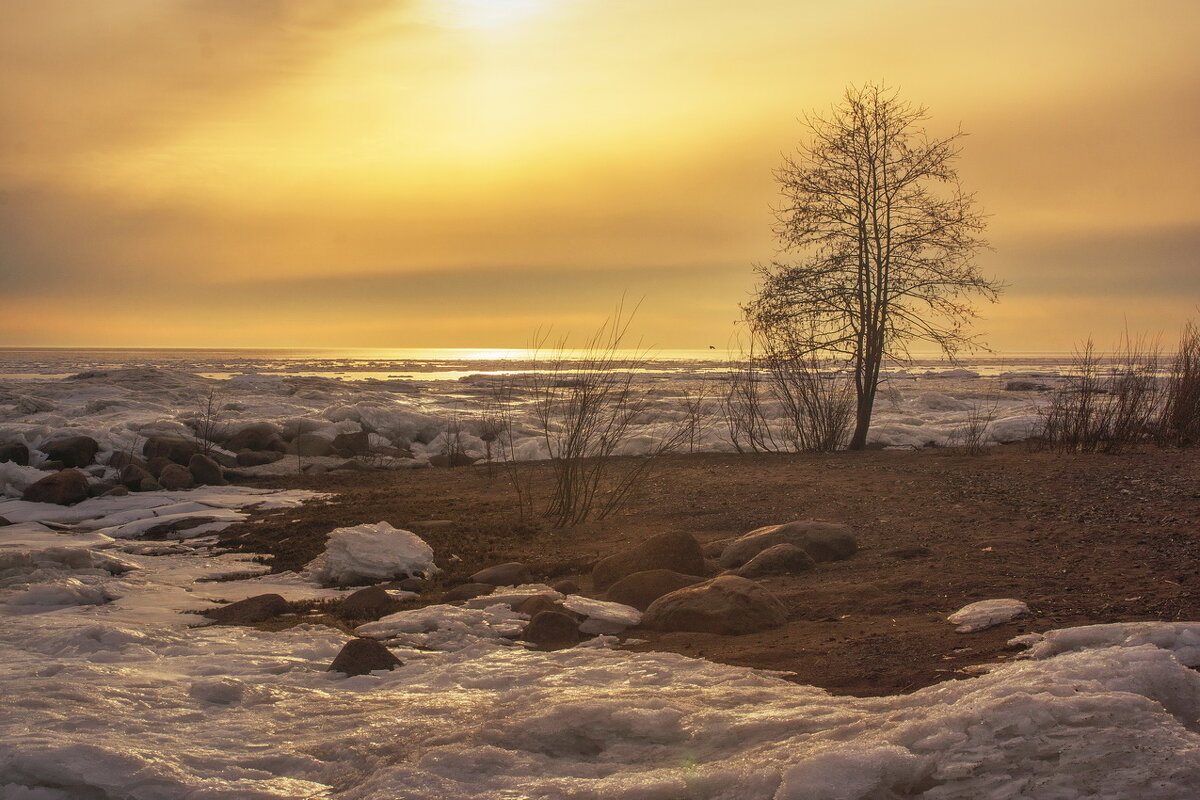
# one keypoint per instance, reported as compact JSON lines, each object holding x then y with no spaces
{"x":120,"y":459}
{"x":642,"y":588}
{"x":255,"y":458}
{"x":467,"y":591}
{"x":172,"y":448}
{"x":259,"y":436}
{"x":253,"y":609}
{"x":133,"y":477}
{"x":678,"y":552}
{"x":727,"y":605}
{"x":15,"y":452}
{"x":74,"y":451}
{"x":360,"y":656}
{"x":779,"y":559}
{"x":312,"y":445}
{"x":205,"y":471}
{"x":156,"y":465}
{"x":352,"y":444}
{"x":551,"y":630}
{"x":174,"y":478}
{"x":514,"y":573}
{"x":64,"y":488}
{"x":823,"y":541}
{"x":370,"y":603}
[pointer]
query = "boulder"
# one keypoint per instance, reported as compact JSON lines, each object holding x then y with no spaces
{"x":312,"y":445}
{"x":255,"y":458}
{"x":116,"y":491}
{"x":678,"y":552}
{"x":714,"y":548}
{"x":514,"y":573}
{"x":156,"y":465}
{"x":349,"y":445}
{"x":4,"y":521}
{"x":411,"y":585}
{"x":120,"y":460}
{"x":64,"y":488}
{"x":74,"y":451}
{"x":174,"y":478}
{"x":100,"y":489}
{"x":132,"y":477}
{"x":1025,"y":386}
{"x":779,"y":559}
{"x":52,"y":465}
{"x":173,"y":448}
{"x":149,"y":485}
{"x":727,"y":605}
{"x":642,"y":588}
{"x":551,"y":630}
{"x":823,"y":541}
{"x":565,"y":587}
{"x":536,"y":604}
{"x":15,"y":452}
{"x":370,"y":603}
{"x":252,"y":609}
{"x":467,"y":591}
{"x":360,"y":656}
{"x":259,"y":436}
{"x":205,"y":471}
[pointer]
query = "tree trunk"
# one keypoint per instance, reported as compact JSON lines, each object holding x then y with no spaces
{"x":862,"y":421}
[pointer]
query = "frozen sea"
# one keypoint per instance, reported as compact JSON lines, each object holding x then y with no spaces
{"x":111,"y":689}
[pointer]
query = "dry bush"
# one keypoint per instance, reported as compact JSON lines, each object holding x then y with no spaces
{"x":1181,"y":407}
{"x":971,"y":435}
{"x":1107,"y":407}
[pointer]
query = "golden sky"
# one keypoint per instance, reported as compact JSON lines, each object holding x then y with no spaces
{"x":458,"y":173}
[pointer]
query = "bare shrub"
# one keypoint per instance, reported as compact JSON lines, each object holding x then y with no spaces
{"x":971,"y":434}
{"x":1181,"y":407}
{"x":1105,"y":406}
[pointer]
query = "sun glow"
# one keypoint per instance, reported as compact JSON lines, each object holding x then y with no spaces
{"x":488,"y":13}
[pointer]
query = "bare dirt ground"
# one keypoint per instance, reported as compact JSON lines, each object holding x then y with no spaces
{"x":1082,"y":539}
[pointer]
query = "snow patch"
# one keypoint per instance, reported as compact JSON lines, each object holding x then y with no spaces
{"x":371,"y":553}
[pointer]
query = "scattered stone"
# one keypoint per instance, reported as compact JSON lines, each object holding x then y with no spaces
{"x":824,"y":541}
{"x":467,"y":591}
{"x":910,"y":552}
{"x":780,"y":559}
{"x":551,"y":630}
{"x":349,"y":445}
{"x":257,"y":437}
{"x":15,"y":452}
{"x":172,"y":448}
{"x":727,"y":605}
{"x":255,"y":458}
{"x":116,"y":491}
{"x":565,"y":587}
{"x":514,"y":573}
{"x":64,"y":488}
{"x":642,"y":588}
{"x":253,"y":609}
{"x":74,"y":451}
{"x":370,"y":603}
{"x":206,"y":471}
{"x":132,"y":477}
{"x":361,"y":656}
{"x":312,"y":445}
{"x":175,"y":478}
{"x":678,"y":552}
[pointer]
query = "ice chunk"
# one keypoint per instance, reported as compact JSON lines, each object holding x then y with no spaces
{"x":444,"y":627}
{"x":986,"y":613}
{"x":372,"y":553}
{"x":603,"y":616}
{"x":1181,"y":638}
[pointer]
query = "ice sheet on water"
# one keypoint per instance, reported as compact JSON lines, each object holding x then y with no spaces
{"x":371,"y":552}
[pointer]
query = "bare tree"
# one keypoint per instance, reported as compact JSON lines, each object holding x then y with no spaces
{"x":885,"y":238}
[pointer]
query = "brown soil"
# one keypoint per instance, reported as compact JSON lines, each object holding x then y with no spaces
{"x":1081,"y":538}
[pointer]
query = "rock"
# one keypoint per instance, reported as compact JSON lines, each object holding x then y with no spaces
{"x":678,"y":552}
{"x":174,"y":478}
{"x":349,"y":445}
{"x":310,"y":444}
{"x":642,"y":588}
{"x":116,"y":491}
{"x":467,"y":591}
{"x":714,"y":548}
{"x":451,"y":460}
{"x":149,"y":485}
{"x":172,"y":448}
{"x":360,"y":656}
{"x":255,"y":458}
{"x":1025,"y":386}
{"x":257,"y":437}
{"x":4,"y":521}
{"x":411,"y":585}
{"x":824,"y":541}
{"x":101,"y":489}
{"x":74,"y":451}
{"x":514,"y":573}
{"x":253,"y":609}
{"x":727,"y":605}
{"x":156,"y":465}
{"x":132,"y":476}
{"x":779,"y":559}
{"x":353,"y":465}
{"x":51,"y":466}
{"x":370,"y":603}
{"x":206,"y":471}
{"x":551,"y":630}
{"x":16,"y":452}
{"x":536,"y":604}
{"x":565,"y":587}
{"x":120,"y":460}
{"x":64,"y":488}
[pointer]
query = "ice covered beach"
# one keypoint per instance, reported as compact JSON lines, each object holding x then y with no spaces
{"x":113,"y":690}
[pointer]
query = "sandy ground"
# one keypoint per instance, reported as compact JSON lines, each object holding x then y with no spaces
{"x":1081,"y":538}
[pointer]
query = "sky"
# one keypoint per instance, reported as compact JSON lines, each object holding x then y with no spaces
{"x":463,"y":173}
